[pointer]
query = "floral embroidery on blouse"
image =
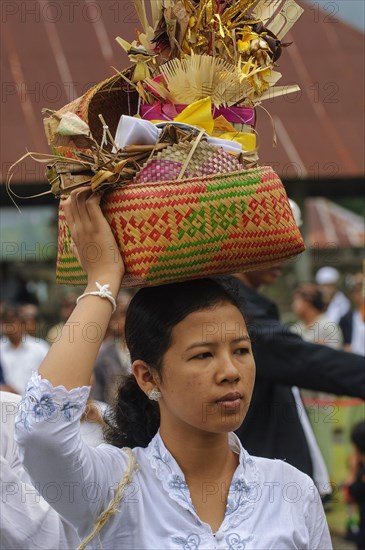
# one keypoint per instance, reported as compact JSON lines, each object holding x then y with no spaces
{"x":181,"y":489}
{"x":43,"y":401}
{"x":41,"y":408}
{"x":68,"y":409}
{"x":177,"y":482}
{"x":235,"y":542}
{"x":22,"y":417}
{"x":173,"y":483}
{"x":191,"y":542}
{"x":242,"y":494}
{"x":164,"y":459}
{"x":44,"y":406}
{"x":239,"y":497}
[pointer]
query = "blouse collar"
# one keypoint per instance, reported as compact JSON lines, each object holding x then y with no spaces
{"x":242,"y":493}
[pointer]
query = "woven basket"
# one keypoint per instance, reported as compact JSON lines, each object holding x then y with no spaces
{"x":172,"y":231}
{"x":110,"y":98}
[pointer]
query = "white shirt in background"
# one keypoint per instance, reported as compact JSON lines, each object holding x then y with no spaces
{"x":358,"y":334}
{"x":338,"y":307}
{"x":18,"y":363}
{"x":28,"y":522}
{"x":322,"y":331}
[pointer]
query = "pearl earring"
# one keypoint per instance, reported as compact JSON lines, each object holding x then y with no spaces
{"x":154,"y":394}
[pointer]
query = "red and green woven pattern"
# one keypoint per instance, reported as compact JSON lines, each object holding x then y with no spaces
{"x":171,"y":231}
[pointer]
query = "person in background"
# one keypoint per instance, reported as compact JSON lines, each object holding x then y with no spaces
{"x":355,"y":483}
{"x":30,"y":315}
{"x":67,"y":305}
{"x":3,"y":385}
{"x":113,"y":360}
{"x":20,"y":353}
{"x":353,"y":328}
{"x":314,"y":325}
{"x":28,"y":522}
{"x":336,"y":302}
{"x":352,"y":323}
{"x":284,"y":360}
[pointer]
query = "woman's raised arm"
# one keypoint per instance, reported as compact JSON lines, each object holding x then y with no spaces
{"x":71,"y":359}
{"x":48,"y":422}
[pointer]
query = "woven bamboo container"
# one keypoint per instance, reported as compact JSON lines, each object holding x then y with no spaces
{"x":175,"y":230}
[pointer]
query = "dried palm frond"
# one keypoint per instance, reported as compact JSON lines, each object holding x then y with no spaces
{"x":198,"y":76}
{"x":278,"y":15}
{"x":237,"y":12}
{"x":141,"y":12}
{"x":156,"y":10}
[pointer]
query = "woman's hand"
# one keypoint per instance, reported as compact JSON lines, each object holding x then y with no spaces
{"x":93,"y":241}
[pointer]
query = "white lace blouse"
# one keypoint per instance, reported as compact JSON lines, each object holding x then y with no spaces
{"x":270,"y":504}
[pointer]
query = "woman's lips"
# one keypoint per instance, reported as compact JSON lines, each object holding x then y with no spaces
{"x":235,"y":404}
{"x":230,"y":401}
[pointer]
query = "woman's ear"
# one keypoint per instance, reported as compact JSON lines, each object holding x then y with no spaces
{"x":146,"y":379}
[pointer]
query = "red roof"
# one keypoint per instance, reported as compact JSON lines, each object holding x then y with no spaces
{"x":54,"y":51}
{"x":328,"y":223}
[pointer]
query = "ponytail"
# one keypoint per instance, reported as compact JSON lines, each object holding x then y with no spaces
{"x":134,"y":420}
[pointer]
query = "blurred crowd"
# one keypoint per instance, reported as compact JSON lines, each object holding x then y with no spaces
{"x":329,"y":314}
{"x":25,"y":339}
{"x":325,"y":314}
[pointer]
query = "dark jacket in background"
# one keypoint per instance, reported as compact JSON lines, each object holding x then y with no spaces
{"x":346,"y":325}
{"x":357,"y":492}
{"x":2,"y":380}
{"x":272,"y":427}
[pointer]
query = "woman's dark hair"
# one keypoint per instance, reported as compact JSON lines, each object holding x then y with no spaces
{"x":151,"y":317}
{"x":358,"y":436}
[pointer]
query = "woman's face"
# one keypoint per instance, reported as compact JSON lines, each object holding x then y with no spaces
{"x":208,"y":372}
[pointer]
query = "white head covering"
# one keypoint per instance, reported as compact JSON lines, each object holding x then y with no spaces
{"x":297,"y":213}
{"x":327,"y":275}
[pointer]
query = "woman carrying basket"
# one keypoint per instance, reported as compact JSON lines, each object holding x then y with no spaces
{"x":187,"y":483}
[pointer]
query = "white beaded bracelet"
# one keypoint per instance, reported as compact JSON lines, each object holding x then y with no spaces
{"x":103,"y":292}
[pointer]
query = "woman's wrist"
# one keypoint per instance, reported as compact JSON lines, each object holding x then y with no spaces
{"x":114,"y":280}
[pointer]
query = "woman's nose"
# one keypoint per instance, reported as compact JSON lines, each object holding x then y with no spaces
{"x":227,"y":370}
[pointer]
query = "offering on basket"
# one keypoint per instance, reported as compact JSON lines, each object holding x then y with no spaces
{"x":171,"y":144}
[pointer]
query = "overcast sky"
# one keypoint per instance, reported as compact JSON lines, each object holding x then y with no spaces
{"x":351,"y":11}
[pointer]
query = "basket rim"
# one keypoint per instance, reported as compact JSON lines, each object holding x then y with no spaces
{"x":187,"y":181}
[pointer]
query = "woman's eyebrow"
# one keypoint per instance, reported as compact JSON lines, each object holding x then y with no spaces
{"x":206,"y":343}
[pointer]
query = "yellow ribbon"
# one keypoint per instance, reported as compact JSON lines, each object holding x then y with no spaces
{"x":248,"y":141}
{"x":199,"y":114}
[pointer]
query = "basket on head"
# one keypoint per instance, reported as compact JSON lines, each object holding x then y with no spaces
{"x":173,"y":230}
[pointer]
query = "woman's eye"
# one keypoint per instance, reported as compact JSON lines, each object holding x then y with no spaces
{"x":242,"y":351}
{"x":203,"y":355}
